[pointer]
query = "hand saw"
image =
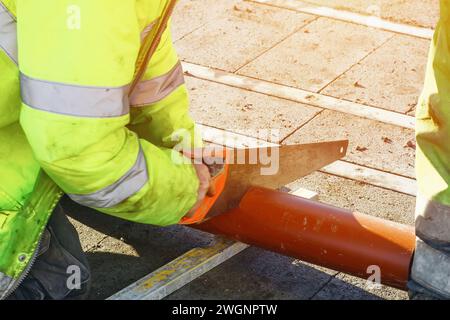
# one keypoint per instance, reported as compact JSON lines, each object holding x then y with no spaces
{"x":245,"y":168}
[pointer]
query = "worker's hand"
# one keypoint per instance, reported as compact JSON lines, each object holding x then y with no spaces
{"x":204,"y":178}
{"x":205,"y":186}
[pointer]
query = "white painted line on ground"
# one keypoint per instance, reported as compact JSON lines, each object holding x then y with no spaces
{"x":373,"y":177}
{"x":181,"y":271}
{"x":347,"y":16}
{"x":339,"y":168}
{"x":231,"y":139}
{"x":299,"y":95}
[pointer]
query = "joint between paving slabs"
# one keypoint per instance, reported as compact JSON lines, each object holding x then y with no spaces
{"x":324,"y":285}
{"x":192,"y":31}
{"x":97,"y":245}
{"x":301,"y":126}
{"x":355,"y":64}
{"x":378,"y":169}
{"x":314,"y":18}
{"x":365,"y":182}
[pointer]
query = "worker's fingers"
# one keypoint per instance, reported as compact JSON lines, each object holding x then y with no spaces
{"x":194,"y":154}
{"x":204,"y":179}
{"x":212,"y":190}
{"x":211,"y":164}
{"x":206,"y":155}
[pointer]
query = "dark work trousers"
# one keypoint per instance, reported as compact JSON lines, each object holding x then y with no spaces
{"x":61,"y":270}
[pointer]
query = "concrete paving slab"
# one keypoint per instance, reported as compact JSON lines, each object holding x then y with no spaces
{"x":319,"y":268}
{"x":372,"y":20}
{"x":299,"y":95}
{"x":246,"y":112}
{"x":360,"y":197}
{"x":256,"y":274}
{"x":316,"y":55}
{"x":345,"y":287}
{"x":423,"y":13}
{"x":190,"y":15}
{"x":374,"y":144}
{"x":90,"y":237}
{"x":243,"y":32}
{"x":390,"y":78}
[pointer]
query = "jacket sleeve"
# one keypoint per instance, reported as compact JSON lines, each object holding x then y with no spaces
{"x":160,"y":103}
{"x":77,"y":61}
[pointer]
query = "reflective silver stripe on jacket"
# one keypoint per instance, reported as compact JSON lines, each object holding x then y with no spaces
{"x":156,"y":89}
{"x":125,"y":187}
{"x":74,"y":100}
{"x":8,"y":33}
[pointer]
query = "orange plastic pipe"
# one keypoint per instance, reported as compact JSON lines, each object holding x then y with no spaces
{"x":320,"y":234}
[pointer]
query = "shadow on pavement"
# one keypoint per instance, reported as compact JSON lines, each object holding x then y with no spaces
{"x":134,"y":250}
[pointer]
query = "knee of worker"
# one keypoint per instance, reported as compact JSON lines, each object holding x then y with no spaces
{"x":61,"y":267}
{"x":433,"y":222}
{"x":430,"y":271}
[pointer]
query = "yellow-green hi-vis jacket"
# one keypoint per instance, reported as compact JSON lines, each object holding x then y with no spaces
{"x":65,"y":70}
{"x":431,"y":266}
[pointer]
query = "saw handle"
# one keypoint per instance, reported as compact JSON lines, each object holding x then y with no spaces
{"x":219,"y":174}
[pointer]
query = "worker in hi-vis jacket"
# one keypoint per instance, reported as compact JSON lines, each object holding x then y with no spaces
{"x":68,"y":125}
{"x":430,"y":274}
